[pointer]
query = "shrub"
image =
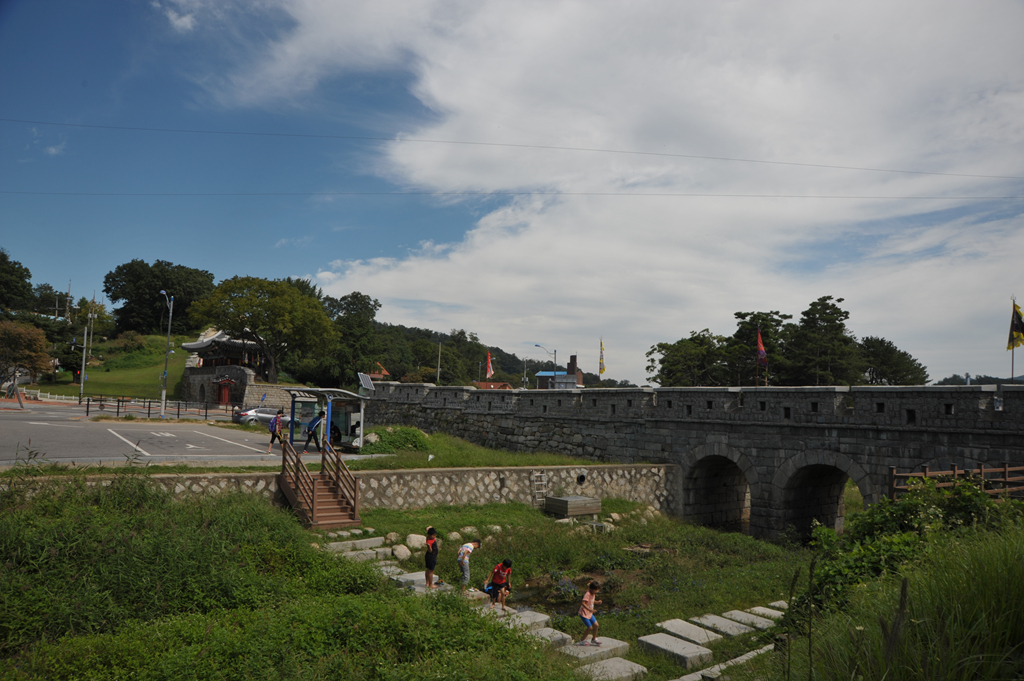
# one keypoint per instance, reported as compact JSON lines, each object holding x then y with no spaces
{"x":393,"y":439}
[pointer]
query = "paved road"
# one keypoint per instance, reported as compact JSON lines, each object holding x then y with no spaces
{"x":64,"y":434}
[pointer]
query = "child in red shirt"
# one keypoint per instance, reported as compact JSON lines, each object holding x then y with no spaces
{"x":500,"y":583}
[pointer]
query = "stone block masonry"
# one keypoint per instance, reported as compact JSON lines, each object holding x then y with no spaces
{"x":766,"y":461}
{"x":653,"y":485}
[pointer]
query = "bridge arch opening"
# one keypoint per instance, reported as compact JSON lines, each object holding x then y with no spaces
{"x":717,"y":495}
{"x":815,"y":493}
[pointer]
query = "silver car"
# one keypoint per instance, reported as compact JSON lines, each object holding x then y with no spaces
{"x":263,"y":415}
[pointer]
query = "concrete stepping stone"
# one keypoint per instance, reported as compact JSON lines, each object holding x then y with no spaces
{"x":360,"y":556}
{"x":748,"y":619}
{"x":779,"y":605}
{"x":766,"y":612}
{"x":355,"y":545}
{"x":690,"y":632}
{"x":609,"y":648}
{"x":476,"y":595}
{"x":411,"y":578}
{"x":712,"y":672}
{"x":383,"y":552}
{"x":555,"y":638}
{"x":689,"y":655}
{"x":529,"y":619}
{"x":613,"y":669}
{"x":721,"y":625}
{"x":390,"y":570}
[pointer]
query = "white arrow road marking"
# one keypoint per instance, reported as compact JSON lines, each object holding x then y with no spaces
{"x":162,"y":434}
{"x":55,"y":425}
{"x":134,"y":446}
{"x":229,"y":441}
{"x":194,"y":447}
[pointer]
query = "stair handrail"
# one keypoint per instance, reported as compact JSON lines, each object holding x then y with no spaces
{"x":334,"y":466}
{"x":299,"y":479}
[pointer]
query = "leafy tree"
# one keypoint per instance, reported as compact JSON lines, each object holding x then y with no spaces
{"x":888,"y":365}
{"x":15,"y":286}
{"x":22,"y":347}
{"x":741,"y":347}
{"x":273,"y":314}
{"x":137,"y":286}
{"x":822,"y":351}
{"x":695,"y":361}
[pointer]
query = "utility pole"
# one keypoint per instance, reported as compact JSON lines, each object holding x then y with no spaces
{"x":167,"y":355}
{"x":85,"y":346}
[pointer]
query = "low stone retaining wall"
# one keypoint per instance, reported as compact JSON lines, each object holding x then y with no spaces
{"x":657,"y":485}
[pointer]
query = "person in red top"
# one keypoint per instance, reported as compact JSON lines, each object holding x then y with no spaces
{"x":500,"y":583}
{"x":587,"y":615}
{"x":431,"y":557}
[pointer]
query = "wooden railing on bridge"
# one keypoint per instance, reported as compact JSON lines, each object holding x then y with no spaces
{"x":329,"y":498}
{"x":996,"y":480}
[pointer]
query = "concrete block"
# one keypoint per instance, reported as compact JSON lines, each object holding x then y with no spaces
{"x":766,"y":612}
{"x":355,"y":545}
{"x":401,"y":552}
{"x":721,"y":625}
{"x":390,"y":570}
{"x":609,"y":647}
{"x":748,"y":619}
{"x":711,"y":672}
{"x":360,"y":556}
{"x":411,"y":578}
{"x":555,"y":638}
{"x":529,"y":619}
{"x":779,"y":605}
{"x":383,"y":552}
{"x":690,"y":632}
{"x":613,"y":669}
{"x":689,"y":655}
{"x":416,"y":541}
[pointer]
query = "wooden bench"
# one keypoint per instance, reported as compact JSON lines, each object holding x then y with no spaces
{"x":569,"y":507}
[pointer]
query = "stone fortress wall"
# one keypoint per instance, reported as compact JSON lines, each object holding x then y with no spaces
{"x":761,"y":460}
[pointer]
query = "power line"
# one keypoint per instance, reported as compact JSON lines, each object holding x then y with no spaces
{"x":522,"y":193}
{"x":367,"y":138}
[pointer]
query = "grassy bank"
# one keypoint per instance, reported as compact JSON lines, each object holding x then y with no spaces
{"x":124,"y":582}
{"x":127,"y":369}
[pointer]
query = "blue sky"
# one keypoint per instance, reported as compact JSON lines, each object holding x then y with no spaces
{"x":346,"y":94}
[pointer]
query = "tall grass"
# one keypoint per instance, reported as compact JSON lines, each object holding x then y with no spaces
{"x":954,"y":616}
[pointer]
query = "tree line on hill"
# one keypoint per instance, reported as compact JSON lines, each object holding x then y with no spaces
{"x":819,"y":349}
{"x":313,"y":337}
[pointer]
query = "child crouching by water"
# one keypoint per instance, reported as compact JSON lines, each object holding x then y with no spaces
{"x":587,"y":615}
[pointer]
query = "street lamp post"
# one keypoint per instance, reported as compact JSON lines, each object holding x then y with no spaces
{"x":167,"y":354}
{"x":554,"y":361}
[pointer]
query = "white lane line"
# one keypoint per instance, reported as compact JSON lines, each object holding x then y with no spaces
{"x":134,"y":446}
{"x":229,"y":441}
{"x":55,"y":425}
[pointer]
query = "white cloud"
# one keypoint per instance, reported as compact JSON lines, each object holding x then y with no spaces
{"x":183,"y":23}
{"x":929,"y":86}
{"x":55,"y":149}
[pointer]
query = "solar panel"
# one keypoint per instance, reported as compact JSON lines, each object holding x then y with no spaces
{"x":365,"y":382}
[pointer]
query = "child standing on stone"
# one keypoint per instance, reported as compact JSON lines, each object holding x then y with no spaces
{"x":588,"y":617}
{"x":431,"y":557}
{"x":500,"y":583}
{"x":465,"y":551}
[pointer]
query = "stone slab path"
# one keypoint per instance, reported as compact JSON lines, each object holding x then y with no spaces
{"x":721,"y":625}
{"x":613,"y":669}
{"x":689,"y":632}
{"x":528,"y":619}
{"x":555,"y":638}
{"x":718,"y":668}
{"x":687,"y":654}
{"x":766,"y":612}
{"x":609,"y":647}
{"x":749,"y":619}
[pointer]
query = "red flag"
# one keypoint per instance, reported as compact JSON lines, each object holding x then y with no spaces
{"x":490,"y":371}
{"x":762,"y":356}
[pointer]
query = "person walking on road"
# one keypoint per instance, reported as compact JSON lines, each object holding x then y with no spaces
{"x":313,"y":426}
{"x":275,"y":426}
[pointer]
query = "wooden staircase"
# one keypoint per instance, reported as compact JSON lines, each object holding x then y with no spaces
{"x":326,"y":499}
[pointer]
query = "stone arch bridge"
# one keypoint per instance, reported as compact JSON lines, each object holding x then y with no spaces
{"x":760,"y":460}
